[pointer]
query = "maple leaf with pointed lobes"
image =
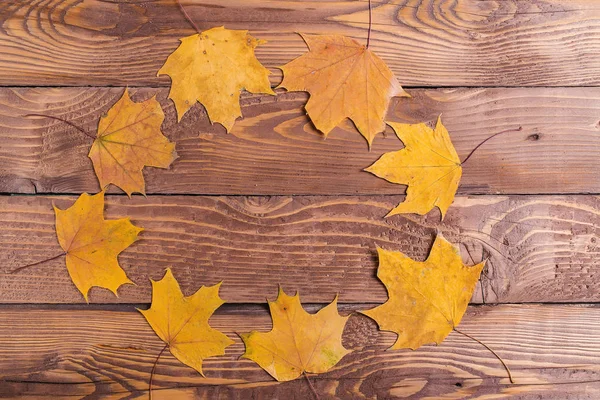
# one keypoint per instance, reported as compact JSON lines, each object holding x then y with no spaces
{"x":92,"y":244}
{"x":129,"y":138}
{"x":345,"y":80}
{"x":182,"y":322}
{"x":212,"y":67}
{"x":428,"y":164}
{"x":299,"y":342}
{"x":427,"y":300}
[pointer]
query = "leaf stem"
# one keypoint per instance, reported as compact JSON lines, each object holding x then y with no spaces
{"x":490,"y":137}
{"x":153,"y":369}
{"x":61,"y":120}
{"x":312,"y":388}
{"x":370,"y":24}
{"x":187,"y":16}
{"x":19,"y":269}
{"x":490,"y":349}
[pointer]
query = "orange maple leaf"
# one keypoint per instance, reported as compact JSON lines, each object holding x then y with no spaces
{"x":92,"y":244}
{"x":345,"y":80}
{"x":212,"y":67}
{"x":299,"y":342}
{"x":428,"y":164}
{"x":182,"y":322}
{"x":426,"y":299}
{"x":129,"y":138}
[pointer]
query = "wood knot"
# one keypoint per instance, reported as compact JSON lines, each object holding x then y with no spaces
{"x":261,"y":205}
{"x":110,"y":18}
{"x":534,"y":137}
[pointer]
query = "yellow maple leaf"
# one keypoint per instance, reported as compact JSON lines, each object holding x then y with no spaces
{"x":129,"y":138}
{"x":345,"y":80}
{"x":299,"y":342}
{"x":92,"y":244}
{"x":212,"y":67}
{"x":428,"y":164}
{"x":427,"y":299}
{"x":182,"y":322}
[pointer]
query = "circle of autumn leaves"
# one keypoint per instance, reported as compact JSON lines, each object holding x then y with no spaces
{"x":345,"y":80}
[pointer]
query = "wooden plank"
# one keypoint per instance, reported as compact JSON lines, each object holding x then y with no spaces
{"x":426,"y":43}
{"x":275,"y":150}
{"x":539,"y":248}
{"x":552,"y":350}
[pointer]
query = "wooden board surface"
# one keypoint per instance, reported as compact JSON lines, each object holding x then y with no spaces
{"x":426,"y":43}
{"x":552,"y":350}
{"x":274,"y":203}
{"x":275,"y":150}
{"x":539,"y":248}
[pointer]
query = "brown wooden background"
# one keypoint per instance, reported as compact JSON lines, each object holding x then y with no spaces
{"x":272,"y":202}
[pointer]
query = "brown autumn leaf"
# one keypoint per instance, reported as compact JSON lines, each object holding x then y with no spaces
{"x":345,"y":80}
{"x":182,"y":322}
{"x":428,"y":299}
{"x":428,"y":164}
{"x":299,"y":342}
{"x":129,"y":138}
{"x":92,"y":244}
{"x":212,"y":67}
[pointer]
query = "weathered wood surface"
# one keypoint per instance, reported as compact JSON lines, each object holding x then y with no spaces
{"x":275,"y":150}
{"x":539,"y":248}
{"x":426,"y":43}
{"x":553,"y":352}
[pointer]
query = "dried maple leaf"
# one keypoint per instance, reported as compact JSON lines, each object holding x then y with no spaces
{"x":212,"y":67}
{"x":299,"y":342}
{"x":428,"y":164}
{"x":345,"y":80}
{"x":426,"y":299}
{"x":92,"y":244}
{"x":129,"y":138}
{"x":182,"y":322}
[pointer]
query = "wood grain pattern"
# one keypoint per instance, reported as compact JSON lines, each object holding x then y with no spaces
{"x":539,"y":248}
{"x":275,"y":149}
{"x":553,"y":352}
{"x":425,"y":42}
